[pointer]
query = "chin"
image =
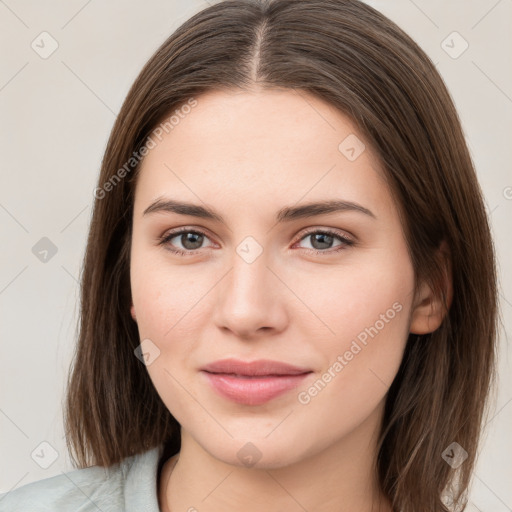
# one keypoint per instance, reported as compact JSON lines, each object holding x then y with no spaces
{"x":255,"y":453}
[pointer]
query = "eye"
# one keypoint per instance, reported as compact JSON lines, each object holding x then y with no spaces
{"x":191,"y":241}
{"x":322,"y":240}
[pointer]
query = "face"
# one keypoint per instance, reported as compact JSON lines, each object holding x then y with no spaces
{"x":328,"y":291}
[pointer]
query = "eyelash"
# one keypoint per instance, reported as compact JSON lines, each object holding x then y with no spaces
{"x":346,"y":242}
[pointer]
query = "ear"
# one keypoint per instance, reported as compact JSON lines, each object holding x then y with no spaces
{"x":132,"y":311}
{"x":428,"y":310}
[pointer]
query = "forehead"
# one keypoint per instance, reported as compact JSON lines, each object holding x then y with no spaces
{"x":257,"y":147}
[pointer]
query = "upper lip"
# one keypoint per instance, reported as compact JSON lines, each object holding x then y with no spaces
{"x":254,"y":368}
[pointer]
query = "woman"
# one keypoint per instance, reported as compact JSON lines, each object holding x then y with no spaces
{"x":289,"y":290}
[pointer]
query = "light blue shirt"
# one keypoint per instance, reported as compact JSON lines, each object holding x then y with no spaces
{"x":129,"y":486}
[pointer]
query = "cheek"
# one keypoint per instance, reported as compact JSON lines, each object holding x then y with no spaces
{"x":165,"y":297}
{"x":368,"y":317}
{"x":169,"y":313}
{"x":356,"y":377}
{"x":347,"y":299}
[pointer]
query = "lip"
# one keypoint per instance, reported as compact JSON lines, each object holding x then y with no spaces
{"x":254,"y":368}
{"x":255,"y":382}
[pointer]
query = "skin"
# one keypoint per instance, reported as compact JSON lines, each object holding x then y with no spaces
{"x":246,"y":155}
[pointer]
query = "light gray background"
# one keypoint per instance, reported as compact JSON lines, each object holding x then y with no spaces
{"x":56,"y":115}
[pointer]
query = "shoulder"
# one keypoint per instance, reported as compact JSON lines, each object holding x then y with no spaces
{"x":128,"y":485}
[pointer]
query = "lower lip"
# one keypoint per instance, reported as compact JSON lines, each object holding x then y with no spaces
{"x":253,"y":390}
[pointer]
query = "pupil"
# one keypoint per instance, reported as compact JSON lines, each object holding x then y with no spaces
{"x":324,"y":239}
{"x":195,"y":238}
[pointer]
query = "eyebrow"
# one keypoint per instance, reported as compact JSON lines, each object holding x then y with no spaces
{"x":286,"y":214}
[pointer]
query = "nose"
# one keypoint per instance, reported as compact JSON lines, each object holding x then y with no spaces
{"x":250,"y":299}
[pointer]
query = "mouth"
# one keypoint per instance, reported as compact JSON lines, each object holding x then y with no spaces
{"x":261,"y":367}
{"x":253,"y":382}
{"x":252,"y":389}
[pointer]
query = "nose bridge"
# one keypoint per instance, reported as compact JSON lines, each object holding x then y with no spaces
{"x":247,"y":299}
{"x":249,"y":278}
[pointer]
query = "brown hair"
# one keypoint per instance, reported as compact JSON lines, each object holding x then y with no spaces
{"x":353,"y":57}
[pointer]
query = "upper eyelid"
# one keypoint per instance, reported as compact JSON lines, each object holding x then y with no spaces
{"x":336,"y":231}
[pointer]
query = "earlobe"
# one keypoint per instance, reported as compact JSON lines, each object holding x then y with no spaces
{"x":429,"y":309}
{"x":132,"y":311}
